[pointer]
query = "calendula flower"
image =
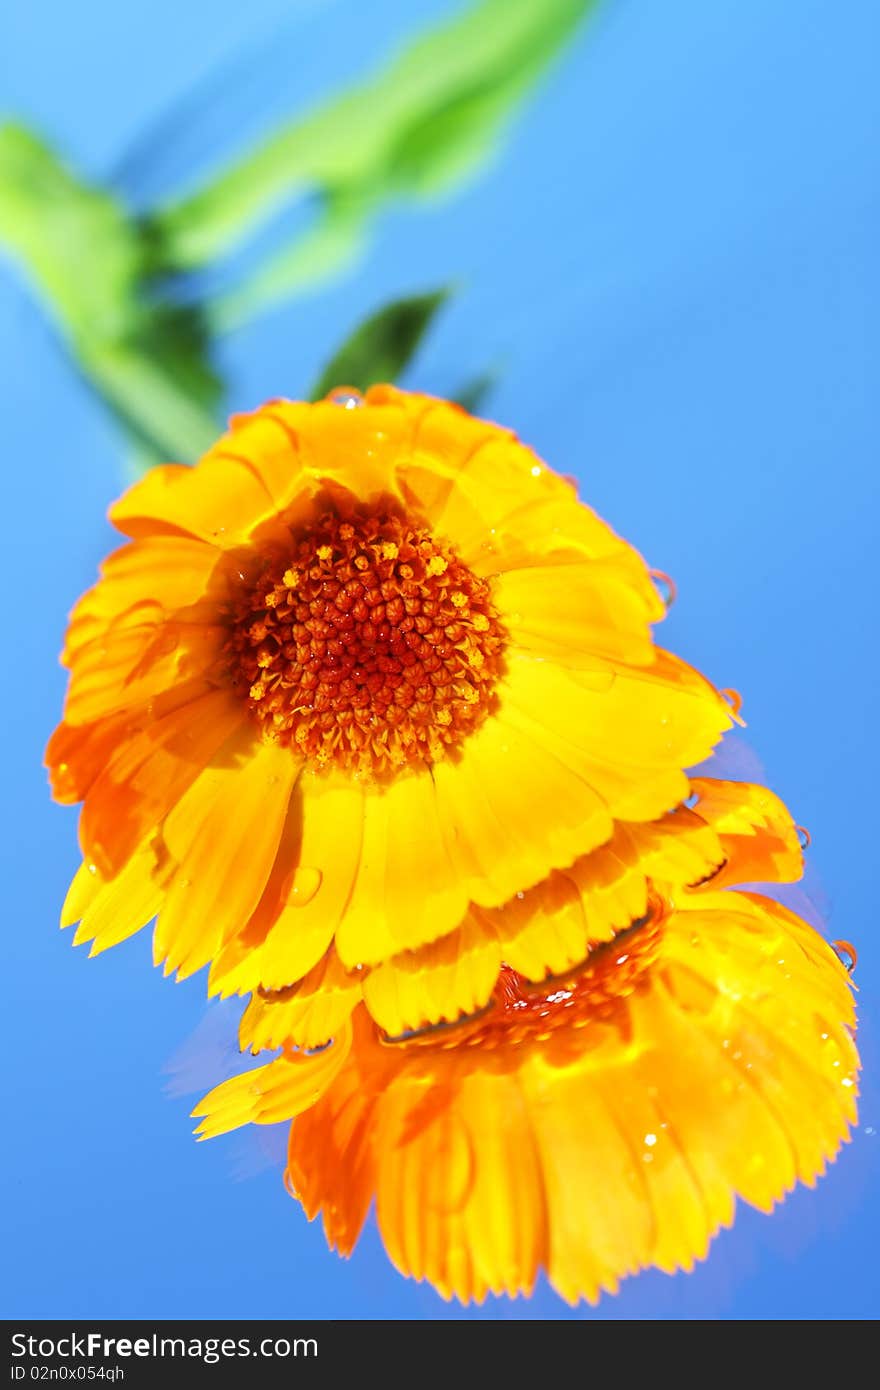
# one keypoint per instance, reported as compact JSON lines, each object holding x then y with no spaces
{"x":605,"y":1119}
{"x":360,"y":677}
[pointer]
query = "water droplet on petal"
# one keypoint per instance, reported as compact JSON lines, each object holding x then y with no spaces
{"x":93,"y":869}
{"x":804,"y":837}
{"x":665,"y":587}
{"x":305,"y":885}
{"x":347,"y":397}
{"x":846,"y":954}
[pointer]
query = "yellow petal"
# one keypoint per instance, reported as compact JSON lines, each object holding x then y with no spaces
{"x":512,"y":811}
{"x":757,"y":834}
{"x":221,"y":500}
{"x":307,"y":1015}
{"x":85,"y":886}
{"x":223,"y":837}
{"x":275,"y":1092}
{"x":122,"y":906}
{"x":437,"y":982}
{"x":307,"y":893}
{"x":176,"y":572}
{"x":151,"y":770}
{"x":574,"y":613}
{"x":678,"y":849}
{"x":405,"y":892}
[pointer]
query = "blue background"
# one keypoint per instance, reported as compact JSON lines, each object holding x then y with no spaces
{"x":674,"y":259}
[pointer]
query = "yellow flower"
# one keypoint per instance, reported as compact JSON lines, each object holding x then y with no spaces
{"x":361,"y":676}
{"x":607,"y":1118}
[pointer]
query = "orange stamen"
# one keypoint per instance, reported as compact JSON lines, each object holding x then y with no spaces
{"x":368,"y":644}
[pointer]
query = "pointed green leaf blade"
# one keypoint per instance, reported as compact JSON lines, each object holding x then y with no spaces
{"x":382,"y":346}
{"x":472,"y":395}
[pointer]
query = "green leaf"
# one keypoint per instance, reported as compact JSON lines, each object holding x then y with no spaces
{"x":382,"y":346}
{"x":334,"y":242}
{"x":110,"y":280}
{"x":75,"y":242}
{"x":472,"y":395}
{"x":92,"y":266}
{"x":420,"y":125}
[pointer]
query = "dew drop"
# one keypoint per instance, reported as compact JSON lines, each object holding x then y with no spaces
{"x":93,"y":869}
{"x":650,"y":1140}
{"x":536,"y":471}
{"x":665,"y":587}
{"x":347,"y":397}
{"x":869,"y":1129}
{"x":804,"y":837}
{"x":306,"y":883}
{"x":846,"y":954}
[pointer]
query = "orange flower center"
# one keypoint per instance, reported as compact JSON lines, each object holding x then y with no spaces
{"x":368,"y":645}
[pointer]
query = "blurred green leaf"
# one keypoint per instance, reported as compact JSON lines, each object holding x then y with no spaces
{"x":92,"y":268}
{"x":334,"y":241}
{"x":472,"y":395}
{"x":423,"y":124}
{"x":382,"y":346}
{"x":111,"y":281}
{"x":74,"y":241}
